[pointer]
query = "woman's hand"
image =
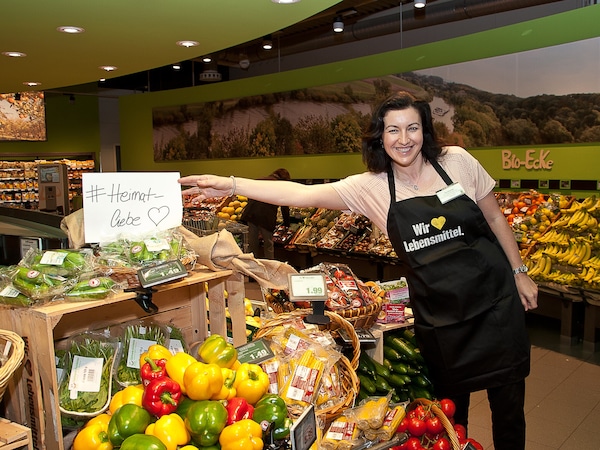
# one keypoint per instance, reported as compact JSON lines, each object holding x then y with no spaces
{"x":528,"y":291}
{"x":206,"y":186}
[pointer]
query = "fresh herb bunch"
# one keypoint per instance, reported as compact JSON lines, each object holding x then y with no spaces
{"x":87,"y":402}
{"x":130,"y":375}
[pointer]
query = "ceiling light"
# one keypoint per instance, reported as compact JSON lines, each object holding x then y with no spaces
{"x":187,"y":44}
{"x":244,"y":62}
{"x":207,"y":59}
{"x":338,"y":24}
{"x":420,"y":3}
{"x":285,"y":1}
{"x":70,"y":30}
{"x":14,"y":54}
{"x":267,"y":43}
{"x":31,"y":83}
{"x":176,"y":66}
{"x":108,"y":68}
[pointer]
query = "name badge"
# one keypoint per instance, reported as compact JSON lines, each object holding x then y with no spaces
{"x":450,"y":193}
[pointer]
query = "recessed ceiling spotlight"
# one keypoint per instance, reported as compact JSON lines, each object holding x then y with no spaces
{"x":108,"y":68}
{"x":187,"y":44}
{"x":14,"y":54}
{"x":70,"y":30}
{"x":338,"y":24}
{"x":31,"y":83}
{"x":420,"y":3}
{"x":285,"y":1}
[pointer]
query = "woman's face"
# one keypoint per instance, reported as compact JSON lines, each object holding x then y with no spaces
{"x":402,"y":135}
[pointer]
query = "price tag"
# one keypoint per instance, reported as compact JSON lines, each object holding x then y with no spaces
{"x":254,"y":352}
{"x":307,"y":286}
{"x":303,"y":432}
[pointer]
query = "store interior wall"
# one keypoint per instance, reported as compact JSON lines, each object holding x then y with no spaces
{"x":136,"y":110}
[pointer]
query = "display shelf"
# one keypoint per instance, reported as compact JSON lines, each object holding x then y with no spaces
{"x":378,"y":330}
{"x":33,"y":398}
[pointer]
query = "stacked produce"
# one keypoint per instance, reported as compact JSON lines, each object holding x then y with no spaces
{"x":185,"y":403}
{"x":315,"y":228}
{"x":568,"y":253}
{"x":402,"y":372}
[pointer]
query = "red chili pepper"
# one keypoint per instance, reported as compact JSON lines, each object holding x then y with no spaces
{"x":161,"y":396}
{"x":238,"y":408}
{"x":153,"y":369}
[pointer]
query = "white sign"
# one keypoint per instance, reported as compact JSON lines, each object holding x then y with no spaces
{"x":130,"y":204}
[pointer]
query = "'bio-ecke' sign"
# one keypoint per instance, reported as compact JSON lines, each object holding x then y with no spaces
{"x":532,"y":160}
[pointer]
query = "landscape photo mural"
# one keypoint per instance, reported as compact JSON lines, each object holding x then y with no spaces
{"x":539,"y":97}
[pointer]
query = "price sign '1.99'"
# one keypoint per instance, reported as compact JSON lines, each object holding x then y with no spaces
{"x":307,"y":286}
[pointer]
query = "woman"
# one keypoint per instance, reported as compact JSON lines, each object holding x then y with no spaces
{"x":468,"y":286}
{"x":262,"y":218}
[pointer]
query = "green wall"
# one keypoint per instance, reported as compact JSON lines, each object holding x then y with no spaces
{"x":71,"y":128}
{"x":136,"y":110}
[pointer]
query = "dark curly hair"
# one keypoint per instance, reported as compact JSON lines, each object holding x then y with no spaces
{"x":374,"y":155}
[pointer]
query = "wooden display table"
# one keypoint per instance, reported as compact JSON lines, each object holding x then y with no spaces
{"x":34,"y":396}
{"x":14,"y":436}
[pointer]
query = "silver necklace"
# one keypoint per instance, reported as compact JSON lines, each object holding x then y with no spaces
{"x":415,"y":185}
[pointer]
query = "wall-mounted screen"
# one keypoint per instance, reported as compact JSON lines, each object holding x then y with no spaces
{"x":22,"y":117}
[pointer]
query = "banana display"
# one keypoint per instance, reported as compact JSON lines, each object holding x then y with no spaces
{"x":568,"y":253}
{"x":402,"y":372}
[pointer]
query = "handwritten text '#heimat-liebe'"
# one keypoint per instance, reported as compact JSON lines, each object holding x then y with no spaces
{"x":116,"y":194}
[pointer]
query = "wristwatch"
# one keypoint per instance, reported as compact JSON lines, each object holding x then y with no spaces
{"x":521,"y":269}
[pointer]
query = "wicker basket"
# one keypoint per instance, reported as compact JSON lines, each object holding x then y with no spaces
{"x":347,"y":368}
{"x":448,"y":427}
{"x":363,"y":317}
{"x":15,"y":357}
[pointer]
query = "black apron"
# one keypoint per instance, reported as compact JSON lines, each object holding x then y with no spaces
{"x":469,"y":320}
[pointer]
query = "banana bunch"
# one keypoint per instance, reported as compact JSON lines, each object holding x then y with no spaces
{"x":557,"y":237}
{"x":582,"y":220}
{"x":588,"y":274}
{"x":541,"y":267}
{"x":577,"y":253}
{"x":593,"y":262}
{"x":562,"y":278}
{"x":575,"y":206}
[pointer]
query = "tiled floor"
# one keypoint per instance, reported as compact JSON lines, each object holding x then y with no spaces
{"x":562,"y":402}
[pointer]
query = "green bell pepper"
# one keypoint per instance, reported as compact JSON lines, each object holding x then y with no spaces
{"x":142,"y":442}
{"x":271,"y":408}
{"x":128,"y":420}
{"x":205,"y":419}
{"x":216,"y":350}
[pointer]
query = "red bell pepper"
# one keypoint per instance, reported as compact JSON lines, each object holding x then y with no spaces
{"x":238,"y":408}
{"x":153,"y":369}
{"x":161,"y":396}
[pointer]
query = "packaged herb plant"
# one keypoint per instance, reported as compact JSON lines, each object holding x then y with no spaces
{"x":135,"y":337}
{"x":86,"y":383}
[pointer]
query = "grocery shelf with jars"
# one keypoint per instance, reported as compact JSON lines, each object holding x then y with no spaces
{"x":19,"y":181}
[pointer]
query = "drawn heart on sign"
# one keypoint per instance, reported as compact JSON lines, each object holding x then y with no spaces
{"x":157,"y":215}
{"x":438,"y":222}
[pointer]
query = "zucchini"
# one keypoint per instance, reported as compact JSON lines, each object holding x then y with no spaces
{"x":401,"y":346}
{"x":367,"y":384}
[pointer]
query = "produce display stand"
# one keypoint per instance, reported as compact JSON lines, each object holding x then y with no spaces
{"x":14,"y":436}
{"x":591,"y":321}
{"x":34,"y":400}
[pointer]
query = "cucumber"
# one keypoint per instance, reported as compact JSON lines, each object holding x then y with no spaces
{"x":382,"y":385}
{"x":396,"y":380}
{"x":401,"y":346}
{"x":365,"y":364}
{"x":381,"y":370}
{"x":421,"y":381}
{"x":400,"y":367}
{"x":392,"y":354}
{"x":367,"y":384}
{"x":409,"y":335}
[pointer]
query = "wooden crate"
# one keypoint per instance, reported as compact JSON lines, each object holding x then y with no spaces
{"x":33,"y":399}
{"x":13,"y":436}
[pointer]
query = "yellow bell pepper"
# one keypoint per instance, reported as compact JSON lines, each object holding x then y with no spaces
{"x":245,"y":434}
{"x":94,"y":436}
{"x":171,"y":431}
{"x":215,"y":349}
{"x":228,"y":390}
{"x":176,"y":366}
{"x":251,"y":382}
{"x":131,"y":394}
{"x":155,"y":351}
{"x":202,"y":381}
